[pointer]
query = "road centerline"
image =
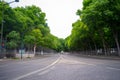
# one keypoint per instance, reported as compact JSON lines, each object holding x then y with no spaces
{"x":46,"y":71}
{"x":39,"y":70}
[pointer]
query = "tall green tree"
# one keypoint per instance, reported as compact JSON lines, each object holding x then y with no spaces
{"x":30,"y":23}
{"x":13,"y":40}
{"x":101,"y":18}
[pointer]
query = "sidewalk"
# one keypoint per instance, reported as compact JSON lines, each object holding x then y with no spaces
{"x":23,"y":59}
{"x":98,"y":57}
{"x":5,"y":59}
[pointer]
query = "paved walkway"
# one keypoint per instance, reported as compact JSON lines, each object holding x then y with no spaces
{"x":99,"y":56}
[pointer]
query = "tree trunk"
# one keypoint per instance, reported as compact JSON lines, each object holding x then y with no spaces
{"x":95,"y":47}
{"x":35,"y":49}
{"x":104,"y":46}
{"x":117,"y":43}
{"x":90,"y":47}
{"x":28,"y":51}
{"x":103,"y":42}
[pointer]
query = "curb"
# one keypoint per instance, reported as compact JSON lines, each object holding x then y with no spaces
{"x":24,"y":59}
{"x":98,"y":57}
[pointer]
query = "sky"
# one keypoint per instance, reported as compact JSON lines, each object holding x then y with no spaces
{"x":60,"y":14}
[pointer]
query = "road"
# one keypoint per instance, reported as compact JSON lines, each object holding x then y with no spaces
{"x":60,"y":67}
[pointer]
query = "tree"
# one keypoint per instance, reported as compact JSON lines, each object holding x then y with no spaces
{"x":101,"y":19}
{"x":78,"y":39}
{"x":13,"y":40}
{"x":29,"y":41}
{"x":36,"y":37}
{"x":30,"y":23}
{"x":95,"y":13}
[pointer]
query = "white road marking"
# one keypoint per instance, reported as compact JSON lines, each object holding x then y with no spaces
{"x":39,"y":70}
{"x":113,"y":68}
{"x":46,"y":71}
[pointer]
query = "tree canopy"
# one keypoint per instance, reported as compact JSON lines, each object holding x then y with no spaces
{"x":98,"y":27}
{"x":30,"y":24}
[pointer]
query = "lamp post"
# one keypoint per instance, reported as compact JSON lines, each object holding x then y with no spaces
{"x":2,"y":23}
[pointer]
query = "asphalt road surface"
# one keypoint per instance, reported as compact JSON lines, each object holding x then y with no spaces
{"x":60,"y":67}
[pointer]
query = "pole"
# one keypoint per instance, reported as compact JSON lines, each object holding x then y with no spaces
{"x":2,"y":24}
{"x":22,"y":45}
{"x":2,"y":27}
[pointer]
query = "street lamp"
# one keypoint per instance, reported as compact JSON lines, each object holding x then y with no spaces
{"x":16,"y":0}
{"x":13,"y":1}
{"x":2,"y":24}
